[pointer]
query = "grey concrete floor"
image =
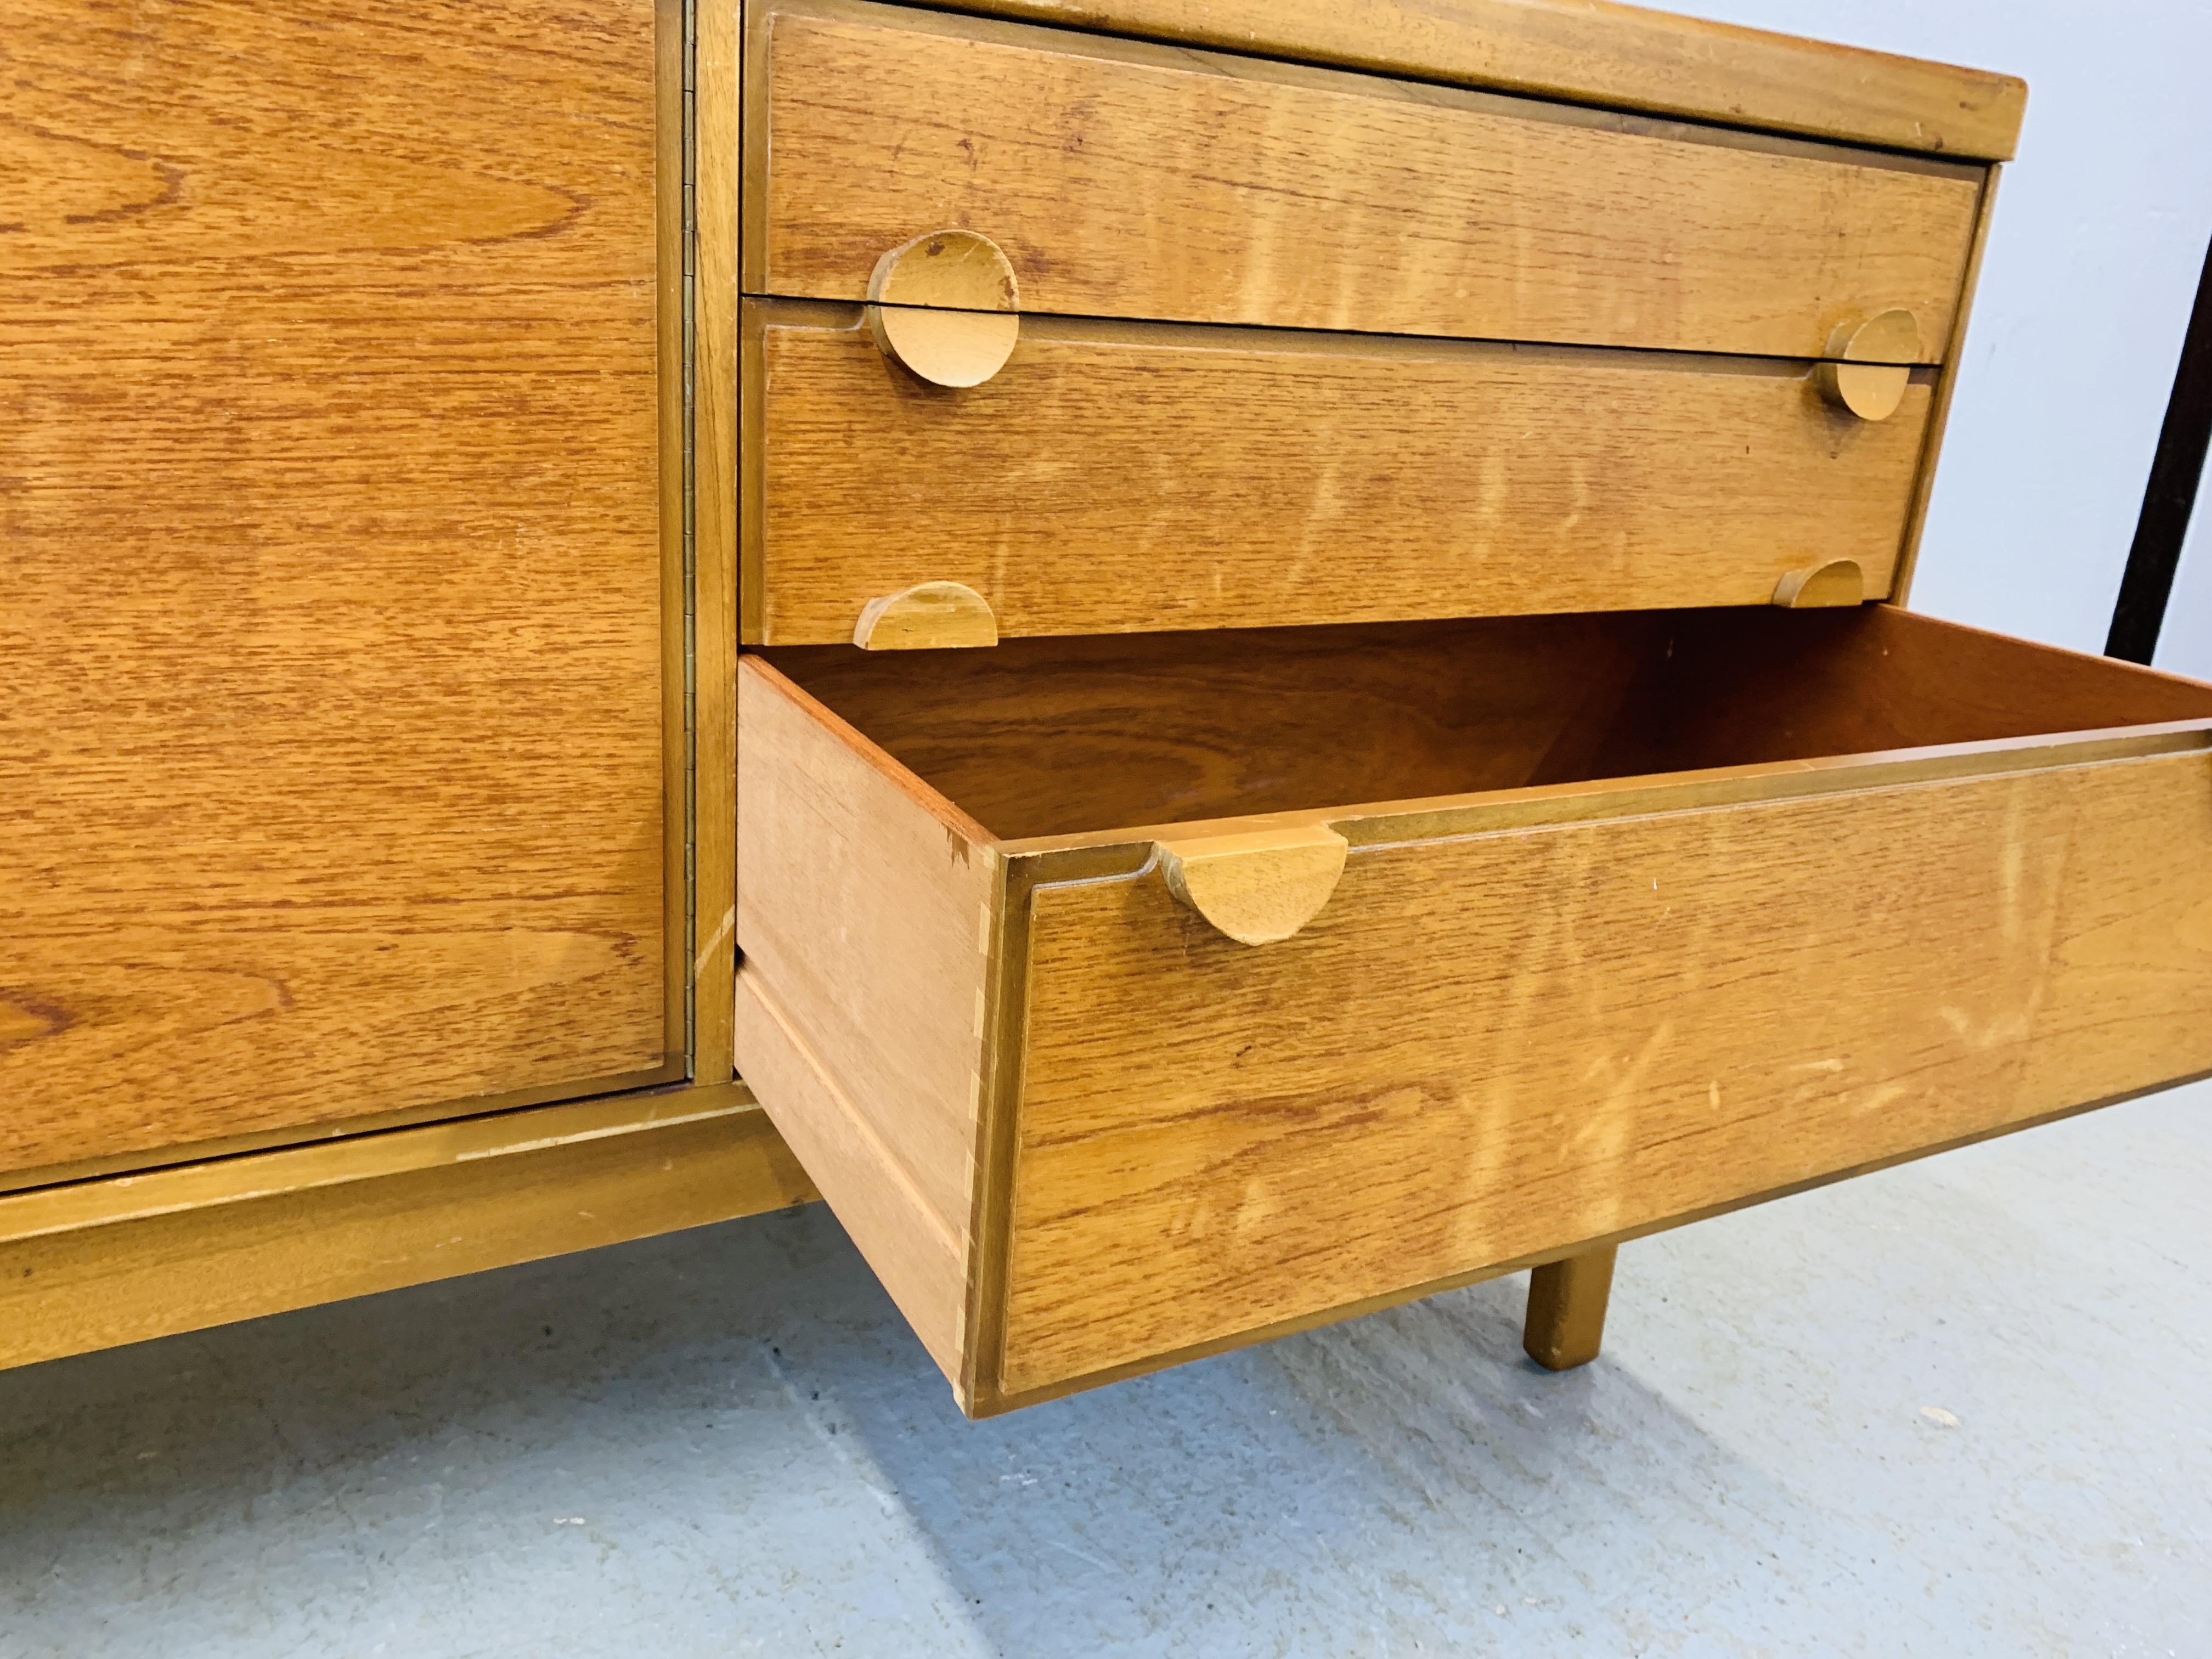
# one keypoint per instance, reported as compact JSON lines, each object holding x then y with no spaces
{"x":1958,"y":1408}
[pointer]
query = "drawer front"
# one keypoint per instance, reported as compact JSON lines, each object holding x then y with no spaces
{"x":1116,"y":478}
{"x":1495,"y":1045}
{"x":1133,"y":181}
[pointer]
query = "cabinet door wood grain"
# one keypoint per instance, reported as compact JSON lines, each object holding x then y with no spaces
{"x":332,"y":653}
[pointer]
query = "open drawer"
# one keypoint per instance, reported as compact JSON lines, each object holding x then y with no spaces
{"x":1583,"y":925}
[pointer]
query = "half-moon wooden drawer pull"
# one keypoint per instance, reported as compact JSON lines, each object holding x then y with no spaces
{"x":947,"y":307}
{"x":1259,"y":888}
{"x":1839,"y":581}
{"x":932,"y":617}
{"x":1878,"y":355}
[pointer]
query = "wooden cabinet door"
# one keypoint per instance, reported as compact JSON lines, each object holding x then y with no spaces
{"x":335,"y":721}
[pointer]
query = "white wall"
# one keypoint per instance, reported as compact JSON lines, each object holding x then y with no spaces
{"x":2086,"y":291}
{"x":2185,"y":644}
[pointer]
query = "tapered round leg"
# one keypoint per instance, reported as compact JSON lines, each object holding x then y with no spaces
{"x":1566,"y":1310}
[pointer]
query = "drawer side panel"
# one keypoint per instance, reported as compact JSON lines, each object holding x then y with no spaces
{"x":1491,"y":1047}
{"x":864,"y":919}
{"x":1124,"y":181}
{"x":918,"y":1255}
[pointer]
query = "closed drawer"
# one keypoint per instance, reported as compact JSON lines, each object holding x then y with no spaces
{"x":1115,"y":476}
{"x":1135,"y":181}
{"x":1593,"y":924}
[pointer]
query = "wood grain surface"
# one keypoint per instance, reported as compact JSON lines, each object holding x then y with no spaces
{"x":1258,"y":887}
{"x":1857,"y":903}
{"x":1622,"y":56}
{"x":921,"y":1259}
{"x":204,"y":1245}
{"x":866,"y":912}
{"x":330,"y":667}
{"x":931,"y":617}
{"x":1493,"y":1045}
{"x":1059,"y":737}
{"x":1115,"y":479}
{"x":718,"y":70}
{"x":212,"y":1184}
{"x":1128,"y":181}
{"x":1726,"y":691}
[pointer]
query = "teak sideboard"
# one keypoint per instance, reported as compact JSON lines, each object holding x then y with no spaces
{"x":1213,"y":665}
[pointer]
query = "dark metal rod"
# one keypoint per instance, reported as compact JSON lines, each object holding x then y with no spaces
{"x":2171,"y":493}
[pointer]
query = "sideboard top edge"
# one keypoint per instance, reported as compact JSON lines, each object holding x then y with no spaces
{"x":1593,"y":51}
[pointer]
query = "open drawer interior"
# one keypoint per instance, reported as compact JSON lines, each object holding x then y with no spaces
{"x":1570,"y":927}
{"x":1060,"y":736}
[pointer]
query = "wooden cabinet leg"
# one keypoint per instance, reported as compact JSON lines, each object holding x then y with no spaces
{"x":1566,"y":1310}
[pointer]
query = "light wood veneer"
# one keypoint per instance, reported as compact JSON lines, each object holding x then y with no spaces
{"x":1114,"y":477}
{"x":336,"y":729}
{"x":1594,"y":52}
{"x":1130,"y":181}
{"x":1645,"y":915}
